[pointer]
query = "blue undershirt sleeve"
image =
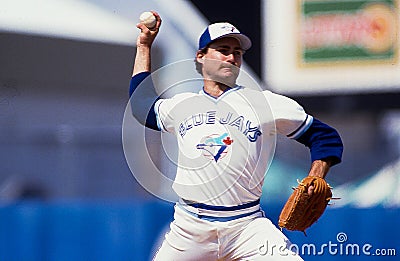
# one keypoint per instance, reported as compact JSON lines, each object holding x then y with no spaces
{"x":323,"y":141}
{"x":143,"y":99}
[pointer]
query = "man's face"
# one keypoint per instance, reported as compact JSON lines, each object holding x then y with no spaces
{"x":222,"y":61}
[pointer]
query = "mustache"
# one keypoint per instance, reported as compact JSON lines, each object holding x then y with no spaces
{"x":229,"y":66}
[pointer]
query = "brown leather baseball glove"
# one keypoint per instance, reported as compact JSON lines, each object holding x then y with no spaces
{"x":302,"y":209}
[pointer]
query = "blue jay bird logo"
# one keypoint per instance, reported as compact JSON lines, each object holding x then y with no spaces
{"x":215,"y":146}
{"x":229,"y":28}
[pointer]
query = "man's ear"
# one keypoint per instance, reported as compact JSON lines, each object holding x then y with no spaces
{"x":200,"y":57}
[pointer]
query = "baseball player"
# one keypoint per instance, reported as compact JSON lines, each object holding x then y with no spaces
{"x":222,"y":132}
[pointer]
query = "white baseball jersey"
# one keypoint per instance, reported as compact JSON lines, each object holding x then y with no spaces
{"x":227,"y":143}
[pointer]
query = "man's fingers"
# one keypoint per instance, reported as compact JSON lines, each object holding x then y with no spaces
{"x":158,"y":19}
{"x":310,"y":190}
{"x":142,"y":27}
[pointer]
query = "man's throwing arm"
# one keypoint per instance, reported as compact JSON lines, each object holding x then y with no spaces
{"x":141,"y":92}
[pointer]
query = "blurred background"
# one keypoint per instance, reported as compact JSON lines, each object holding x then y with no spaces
{"x":66,"y":190}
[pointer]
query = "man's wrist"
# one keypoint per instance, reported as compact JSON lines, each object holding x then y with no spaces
{"x":143,"y":47}
{"x":320,"y":168}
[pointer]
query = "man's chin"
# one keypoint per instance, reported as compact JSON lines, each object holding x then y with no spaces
{"x":227,"y":78}
{"x":229,"y":81}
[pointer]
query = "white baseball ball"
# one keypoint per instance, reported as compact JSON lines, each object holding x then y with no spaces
{"x":148,"y":19}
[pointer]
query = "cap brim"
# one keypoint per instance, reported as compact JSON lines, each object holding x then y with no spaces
{"x":244,"y":41}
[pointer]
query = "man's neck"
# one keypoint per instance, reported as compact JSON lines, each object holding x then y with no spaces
{"x":215,"y":89}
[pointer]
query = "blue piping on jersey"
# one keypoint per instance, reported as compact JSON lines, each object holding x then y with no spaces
{"x":160,"y":126}
{"x":226,"y":91}
{"x":303,"y":128}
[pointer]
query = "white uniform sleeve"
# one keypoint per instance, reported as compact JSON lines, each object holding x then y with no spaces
{"x":290,"y":118}
{"x":165,"y":111}
{"x":164,"y":116}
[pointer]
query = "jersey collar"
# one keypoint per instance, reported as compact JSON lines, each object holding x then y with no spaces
{"x":226,"y":92}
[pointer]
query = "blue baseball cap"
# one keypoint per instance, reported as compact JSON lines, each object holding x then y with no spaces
{"x":219,"y":30}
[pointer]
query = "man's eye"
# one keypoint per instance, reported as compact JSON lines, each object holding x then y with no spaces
{"x":223,"y":51}
{"x":226,"y":51}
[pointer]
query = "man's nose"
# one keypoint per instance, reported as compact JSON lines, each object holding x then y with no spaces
{"x":230,"y":58}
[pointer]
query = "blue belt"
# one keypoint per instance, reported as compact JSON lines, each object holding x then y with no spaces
{"x":222,"y":208}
